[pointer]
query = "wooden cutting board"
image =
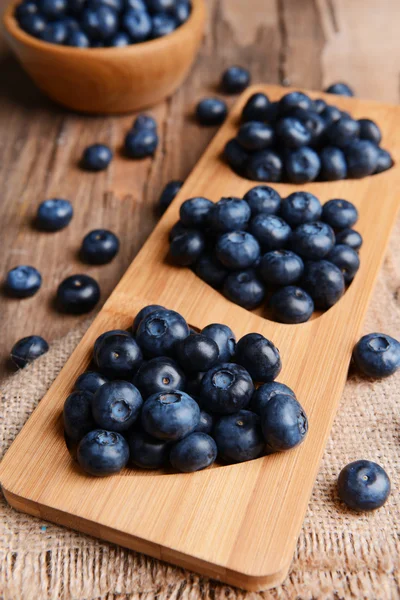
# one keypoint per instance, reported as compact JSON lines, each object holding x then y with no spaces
{"x":237,"y":523}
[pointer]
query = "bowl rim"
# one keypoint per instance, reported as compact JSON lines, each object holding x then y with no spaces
{"x":12,"y":27}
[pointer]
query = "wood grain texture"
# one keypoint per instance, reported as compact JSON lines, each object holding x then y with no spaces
{"x":41,"y":144}
{"x":237,"y":523}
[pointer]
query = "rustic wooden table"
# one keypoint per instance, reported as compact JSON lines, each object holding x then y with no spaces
{"x":308,"y":43}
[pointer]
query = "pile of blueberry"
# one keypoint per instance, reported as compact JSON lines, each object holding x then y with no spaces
{"x":163,"y":395}
{"x":299,"y":140}
{"x":293,"y":251}
{"x":101,"y":23}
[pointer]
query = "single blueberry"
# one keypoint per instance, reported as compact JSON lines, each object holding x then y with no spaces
{"x":28,"y":349}
{"x":99,"y":341}
{"x":244,"y":288}
{"x":333,"y":164}
{"x":363,"y":485}
{"x":229,"y":214}
{"x":369,"y":130}
{"x":79,"y":39}
{"x":236,"y":156}
{"x":196,"y":212}
{"x":161,"y":374}
{"x":206,"y":423}
{"x":256,"y":108}
{"x":385,"y":161}
{"x":99,"y":247}
{"x":135,"y":4}
{"x":313,"y":240}
{"x":210,"y":270}
{"x":197,"y":353}
{"x":324,"y":282}
{"x":272,"y":113}
{"x":300,"y":207}
{"x":340,"y":89}
{"x":75,"y":7}
{"x":120,"y":40}
{"x":211,"y":111}
{"x":162,"y":24}
{"x":319,"y":105}
{"x":23,"y":281}
{"x":140,"y":143}
{"x":292,"y":133}
{"x":225,"y":339}
{"x":237,"y":250}
{"x":118,"y":356}
{"x":159,"y":331}
{"x":195,"y":452}
{"x":235,"y":80}
{"x":160,"y":6}
{"x":239,"y":437}
{"x":272,"y":232}
{"x":102,"y":453}
{"x":116,"y":5}
{"x":90,"y":381}
{"x":346,"y":259}
{"x":78,"y":294}
{"x":193,"y":386}
{"x":116,"y":405}
{"x":294,"y":100}
{"x":55,"y":32}
{"x":284,"y":423}
{"x":170,"y":415}
{"x":342,"y":132}
{"x":146,"y":310}
{"x":254,"y":135}
{"x":181,"y":11}
{"x":77,"y":417}
{"x":362,"y":158}
{"x":350,"y":237}
{"x":267,"y":391}
{"x":302,"y":165}
{"x":33,"y":24}
{"x":291,"y":305}
{"x":281,"y":267}
{"x":226,"y":388}
{"x":187,"y":247}
{"x":263,"y":199}
{"x":26,"y":8}
{"x":331,"y":114}
{"x":52,"y":9}
{"x":148,"y":452}
{"x":168,"y":194}
{"x":99,"y":23}
{"x":377,"y":355}
{"x":259,"y":356}
{"x":144,"y":121}
{"x":265,"y":165}
{"x":137,"y":23}
{"x":314,"y":123}
{"x":339,"y":214}
{"x":96,"y":157}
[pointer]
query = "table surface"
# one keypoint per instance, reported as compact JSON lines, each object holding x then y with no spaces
{"x":307,"y":43}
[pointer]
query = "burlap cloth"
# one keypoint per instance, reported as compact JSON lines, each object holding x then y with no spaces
{"x":338,"y":555}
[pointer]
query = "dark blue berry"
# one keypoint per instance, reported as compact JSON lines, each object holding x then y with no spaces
{"x":369,"y":130}
{"x":313,"y":122}
{"x":239,"y":437}
{"x":116,"y":405}
{"x":170,"y":415}
{"x":100,"y":23}
{"x":146,"y":310}
{"x":244,"y":288}
{"x":148,"y":452}
{"x":300,"y":207}
{"x":237,"y":250}
{"x":363,"y":485}
{"x":168,"y":194}
{"x":256,"y":108}
{"x":235,"y":80}
{"x":99,"y":247}
{"x":55,"y":32}
{"x":225,"y":339}
{"x":362,"y":158}
{"x":96,"y":157}
{"x":52,"y":9}
{"x":98,"y":343}
{"x":78,"y":294}
{"x":284,"y":423}
{"x":292,"y":133}
{"x":118,"y":356}
{"x":346,"y":259}
{"x":302,"y":165}
{"x":385,"y":161}
{"x":339,"y":214}
{"x":319,"y":105}
{"x":206,"y":423}
{"x":160,"y":374}
{"x":341,"y":89}
{"x":259,"y":356}
{"x":313,"y":240}
{"x":33,"y":24}
{"x":229,"y":214}
{"x":294,"y":100}
{"x":176,"y":230}
{"x":90,"y":381}
{"x":350,"y":237}
{"x":26,"y":8}
{"x":181,"y":11}
{"x":210,"y":270}
{"x":197,"y":353}
{"x":77,"y":417}
{"x":211,"y":111}
{"x":195,"y":452}
{"x":120,"y":40}
{"x":28,"y":349}
{"x":159,"y":332}
{"x":23,"y":281}
{"x":263,"y":199}
{"x":271,"y":231}
{"x":187,"y":247}
{"x":226,"y":388}
{"x":236,"y":156}
{"x":144,"y":121}
{"x":196,"y":212}
{"x":254,"y":135}
{"x":102,"y":453}
{"x":291,"y":305}
{"x":330,"y":114}
{"x":141,"y":143}
{"x":79,"y":39}
{"x":265,"y":165}
{"x":267,"y":391}
{"x":343,"y":131}
{"x":160,"y":6}
{"x":136,"y":4}
{"x":281,"y":267}
{"x":333,"y":164}
{"x":377,"y":355}
{"x":324,"y":282}
{"x":162,"y":24}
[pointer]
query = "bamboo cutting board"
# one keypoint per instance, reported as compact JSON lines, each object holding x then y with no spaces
{"x":236,"y":523}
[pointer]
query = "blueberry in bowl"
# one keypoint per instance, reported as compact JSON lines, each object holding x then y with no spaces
{"x":170,"y":415}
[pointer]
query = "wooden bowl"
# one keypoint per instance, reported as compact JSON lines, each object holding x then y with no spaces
{"x":109,"y":80}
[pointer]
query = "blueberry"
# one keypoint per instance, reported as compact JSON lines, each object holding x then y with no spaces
{"x":136,"y":4}
{"x":78,"y":294}
{"x":331,"y":114}
{"x":118,"y":356}
{"x":267,"y":391}
{"x":90,"y":381}
{"x":26,"y":8}
{"x":177,"y":230}
{"x":346,"y":259}
{"x":187,"y":247}
{"x":291,"y":305}
{"x":294,"y":100}
{"x":271,"y":231}
{"x":235,"y":80}
{"x":160,"y":6}
{"x":236,"y":156}
{"x":263,"y":199}
{"x":162,"y":24}
{"x":324,"y":282}
{"x":369,"y":130}
{"x":103,"y":453}
{"x":259,"y":356}
{"x":137,"y":23}
{"x":98,"y":343}
{"x":265,"y":165}
{"x":362,"y":158}
{"x":78,"y":419}
{"x":159,"y":332}
{"x":170,"y":415}
{"x":206,"y":423}
{"x":55,"y":32}
{"x":237,"y":250}
{"x":226,"y":388}
{"x":141,"y":143}
{"x":319,"y":105}
{"x":100,"y":23}
{"x":350,"y":237}
{"x":193,"y":386}
{"x":256,"y":108}
{"x":195,"y":212}
{"x":211,"y":111}
{"x":343,"y":131}
{"x":300,"y":207}
{"x":302,"y":165}
{"x":28,"y":349}
{"x":52,"y":9}
{"x":99,"y":247}
{"x":210,"y":270}
{"x":339,"y":214}
{"x":313,"y":240}
{"x":116,"y":405}
{"x":385,"y":161}
{"x":160,"y":374}
{"x":23,"y":281}
{"x":284,"y":423}
{"x":96,"y":157}
{"x":254,"y":135}
{"x":225,"y":339}
{"x":239,"y":437}
{"x":229,"y":214}
{"x":146,"y":310}
{"x":116,"y":5}
{"x":147,"y":452}
{"x":314,"y":123}
{"x":363,"y":485}
{"x":244,"y":288}
{"x":120,"y":40}
{"x":144,"y":121}
{"x":281,"y":267}
{"x":33,"y":24}
{"x":377,"y":355}
{"x":341,"y":89}
{"x":292,"y":133}
{"x":333,"y":164}
{"x":182,"y":11}
{"x":195,"y":452}
{"x":168,"y":194}
{"x":79,"y":39}
{"x":197,"y":353}
{"x":75,"y":7}
{"x":272,"y":113}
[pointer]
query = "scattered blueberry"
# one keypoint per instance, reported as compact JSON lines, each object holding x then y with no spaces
{"x":78,"y":294}
{"x":259,"y":356}
{"x":244,"y":288}
{"x":144,"y":121}
{"x":23,"y":281}
{"x":103,"y":453}
{"x":170,"y":415}
{"x":291,"y":305}
{"x":377,"y":355}
{"x":281,"y":267}
{"x":148,"y":452}
{"x":90,"y":381}
{"x":27,"y":350}
{"x":284,"y":423}
{"x":346,"y":259}
{"x":211,"y":111}
{"x":96,"y":157}
{"x":341,"y":89}
{"x":226,"y":388}
{"x":116,"y":405}
{"x":225,"y":339}
{"x":235,"y":80}
{"x":363,"y":485}
{"x":161,"y":374}
{"x":267,"y":391}
{"x":195,"y":452}
{"x":141,"y":143}
{"x":99,"y":247}
{"x":168,"y":194}
{"x":239,"y":437}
